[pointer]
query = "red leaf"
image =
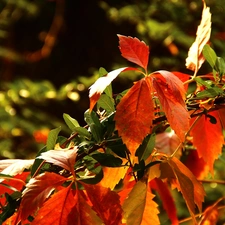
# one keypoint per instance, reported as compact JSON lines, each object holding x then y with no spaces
{"x":208,"y":138}
{"x":167,"y":199}
{"x":63,"y":158}
{"x":37,"y":190}
{"x":134,"y":50}
{"x":170,"y":91}
{"x":18,"y":182}
{"x":134,"y":115}
{"x":100,"y":85}
{"x":106,"y":203}
{"x":197,"y":165}
{"x":59,"y":209}
{"x":86,"y":214}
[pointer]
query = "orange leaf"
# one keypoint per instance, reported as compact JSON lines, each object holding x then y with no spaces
{"x":62,"y":158}
{"x":222,"y":116}
{"x":150,"y":215}
{"x":100,"y":85}
{"x":171,"y":94}
{"x":59,"y":209}
{"x":85,"y":213}
{"x":177,"y":173}
{"x":195,"y":58}
{"x":208,"y":138}
{"x":37,"y":190}
{"x":134,"y":50}
{"x":106,"y":203}
{"x":117,"y":173}
{"x":135,"y":114}
{"x":211,"y":214}
{"x":167,"y":199}
{"x":138,"y":207}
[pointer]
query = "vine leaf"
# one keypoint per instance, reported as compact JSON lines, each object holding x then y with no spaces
{"x":200,"y":168}
{"x":37,"y":190}
{"x":195,"y":57}
{"x":105,"y":202}
{"x":182,"y":178}
{"x":101,"y":83}
{"x":167,"y":199}
{"x":171,"y":94}
{"x":59,"y":209}
{"x":63,"y":158}
{"x":138,"y":207}
{"x":134,"y":50}
{"x":86,"y":215}
{"x":208,"y":138}
{"x":135,"y":114}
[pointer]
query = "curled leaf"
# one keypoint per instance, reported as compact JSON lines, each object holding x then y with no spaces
{"x":195,"y":57}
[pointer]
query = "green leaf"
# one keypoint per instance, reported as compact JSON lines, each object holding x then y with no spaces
{"x":209,"y":93}
{"x":82,"y":132}
{"x":71,"y":122}
{"x":209,"y":55}
{"x":108,"y":90}
{"x":202,"y":82}
{"x":145,"y":149}
{"x":106,"y":103}
{"x":107,"y":159}
{"x":52,"y":137}
{"x":95,"y":126}
{"x":220,"y":66}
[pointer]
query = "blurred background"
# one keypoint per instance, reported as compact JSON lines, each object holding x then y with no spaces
{"x":51,"y":50}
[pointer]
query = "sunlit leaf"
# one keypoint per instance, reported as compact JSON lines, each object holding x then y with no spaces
{"x":71,"y":122}
{"x":180,"y":176}
{"x":99,"y":86}
{"x":106,"y":203}
{"x":37,"y":190}
{"x":134,"y":50}
{"x":138,"y":207}
{"x":171,"y":94}
{"x":195,"y":58}
{"x":167,"y":199}
{"x":63,"y":158}
{"x":59,"y":209}
{"x":13,"y":167}
{"x":135,"y":114}
{"x":208,"y":138}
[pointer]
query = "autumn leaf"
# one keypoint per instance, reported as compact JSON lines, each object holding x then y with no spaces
{"x":106,"y":203}
{"x":117,"y":173}
{"x":134,"y":50}
{"x":211,"y":214}
{"x":59,"y":209}
{"x":63,"y":158}
{"x":100,"y":85}
{"x":37,"y":190}
{"x":171,"y":94}
{"x":182,"y":178}
{"x":197,"y":165}
{"x":13,"y":167}
{"x":135,"y":114}
{"x":195,"y":58}
{"x":86,"y":215}
{"x":208,"y":138}
{"x":167,"y":199}
{"x":139,"y":208}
